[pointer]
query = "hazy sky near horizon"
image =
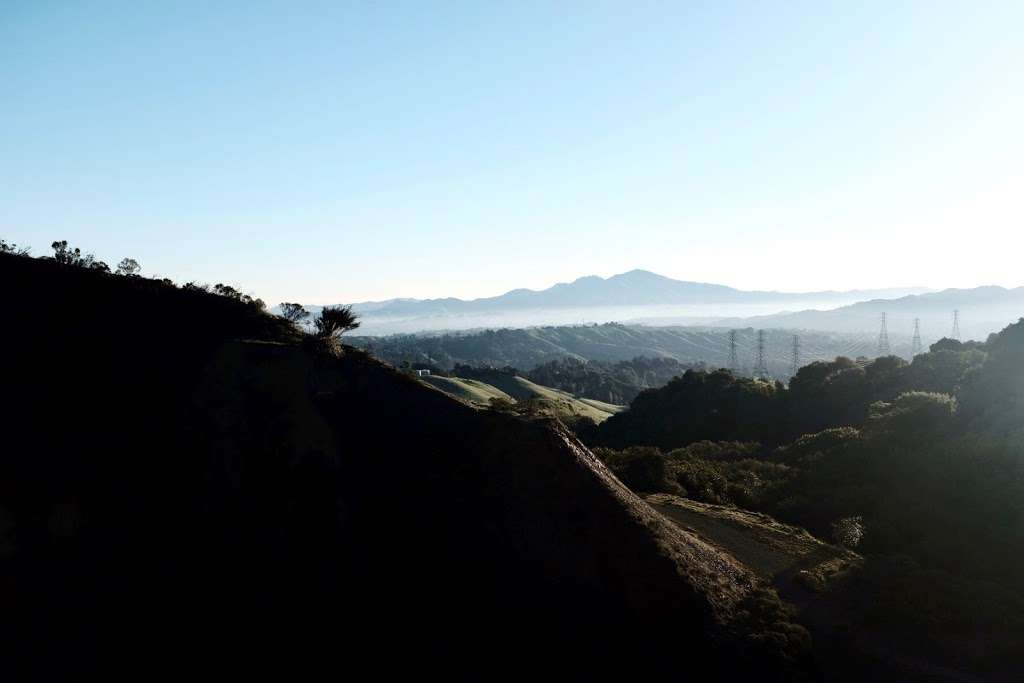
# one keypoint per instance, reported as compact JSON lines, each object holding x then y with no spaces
{"x":339,"y":152}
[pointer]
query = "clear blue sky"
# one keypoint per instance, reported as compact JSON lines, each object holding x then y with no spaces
{"x":327,"y":152}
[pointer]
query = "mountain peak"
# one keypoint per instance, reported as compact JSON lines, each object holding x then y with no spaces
{"x":638,"y":274}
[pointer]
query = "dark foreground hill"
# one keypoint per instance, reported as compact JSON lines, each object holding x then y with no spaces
{"x":187,"y":489}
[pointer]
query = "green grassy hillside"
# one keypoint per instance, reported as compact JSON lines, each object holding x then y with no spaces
{"x":509,"y":387}
{"x":471,"y":390}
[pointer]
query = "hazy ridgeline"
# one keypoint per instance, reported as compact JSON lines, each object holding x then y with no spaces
{"x":525,"y":349}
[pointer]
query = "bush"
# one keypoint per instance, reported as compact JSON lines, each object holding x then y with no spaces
{"x":12,"y":248}
{"x":848,"y":532}
{"x":913,"y":414}
{"x":641,"y":468}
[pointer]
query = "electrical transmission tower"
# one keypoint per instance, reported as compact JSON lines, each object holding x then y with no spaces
{"x":760,"y":368}
{"x":733,"y":360}
{"x":796,"y":354}
{"x":883,"y":339}
{"x":916,"y":347}
{"x":956,"y":325}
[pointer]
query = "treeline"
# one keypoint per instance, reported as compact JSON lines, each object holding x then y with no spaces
{"x":327,"y":327}
{"x":920,"y":464}
{"x":70,"y":256}
{"x":718,"y":405}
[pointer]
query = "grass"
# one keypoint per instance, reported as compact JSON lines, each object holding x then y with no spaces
{"x":469,"y":390}
{"x":515,"y":388}
{"x":777,"y":552}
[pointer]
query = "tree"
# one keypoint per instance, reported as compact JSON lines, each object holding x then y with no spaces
{"x":12,"y":248}
{"x":128,"y":267}
{"x":72,"y":256}
{"x":334,"y":321}
{"x":230,"y":292}
{"x":227,"y":291}
{"x":293,"y":313}
{"x":946,"y":344}
{"x":64,"y":254}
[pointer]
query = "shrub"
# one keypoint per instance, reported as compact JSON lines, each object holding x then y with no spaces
{"x":913,"y":414}
{"x":848,"y":531}
{"x":12,"y":248}
{"x":641,"y":468}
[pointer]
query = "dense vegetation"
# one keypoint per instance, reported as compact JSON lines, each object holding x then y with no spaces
{"x":718,"y":405}
{"x":921,"y":464}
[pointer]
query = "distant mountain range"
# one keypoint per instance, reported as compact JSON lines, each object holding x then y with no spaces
{"x":981,"y":311}
{"x":635,"y":288}
{"x":638,"y":293}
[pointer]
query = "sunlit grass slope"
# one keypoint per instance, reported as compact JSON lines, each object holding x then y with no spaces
{"x":515,"y":388}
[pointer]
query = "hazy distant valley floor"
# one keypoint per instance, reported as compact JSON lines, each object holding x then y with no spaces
{"x":526,"y":349}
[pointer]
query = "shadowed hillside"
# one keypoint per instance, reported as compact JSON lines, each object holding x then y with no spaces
{"x":185,"y":486}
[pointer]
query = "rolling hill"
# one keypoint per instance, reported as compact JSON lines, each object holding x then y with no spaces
{"x":513,"y":388}
{"x":526,"y":349}
{"x":469,"y":390}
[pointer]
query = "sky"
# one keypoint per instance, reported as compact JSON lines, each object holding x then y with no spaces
{"x":341,"y":152}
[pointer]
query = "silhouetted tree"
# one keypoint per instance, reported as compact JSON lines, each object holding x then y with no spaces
{"x":334,"y":321}
{"x":72,"y":256}
{"x":64,"y":254}
{"x":128,"y":267}
{"x":293,"y":312}
{"x":12,"y":248}
{"x":232,"y":293}
{"x":228,"y":291}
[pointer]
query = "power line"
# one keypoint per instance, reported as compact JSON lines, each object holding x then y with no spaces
{"x":733,"y":361}
{"x":883,"y":339}
{"x":760,"y":368}
{"x":916,"y":347}
{"x":796,"y":355}
{"x":956,"y":325}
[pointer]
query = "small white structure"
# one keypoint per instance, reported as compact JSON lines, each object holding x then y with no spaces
{"x":423,"y":373}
